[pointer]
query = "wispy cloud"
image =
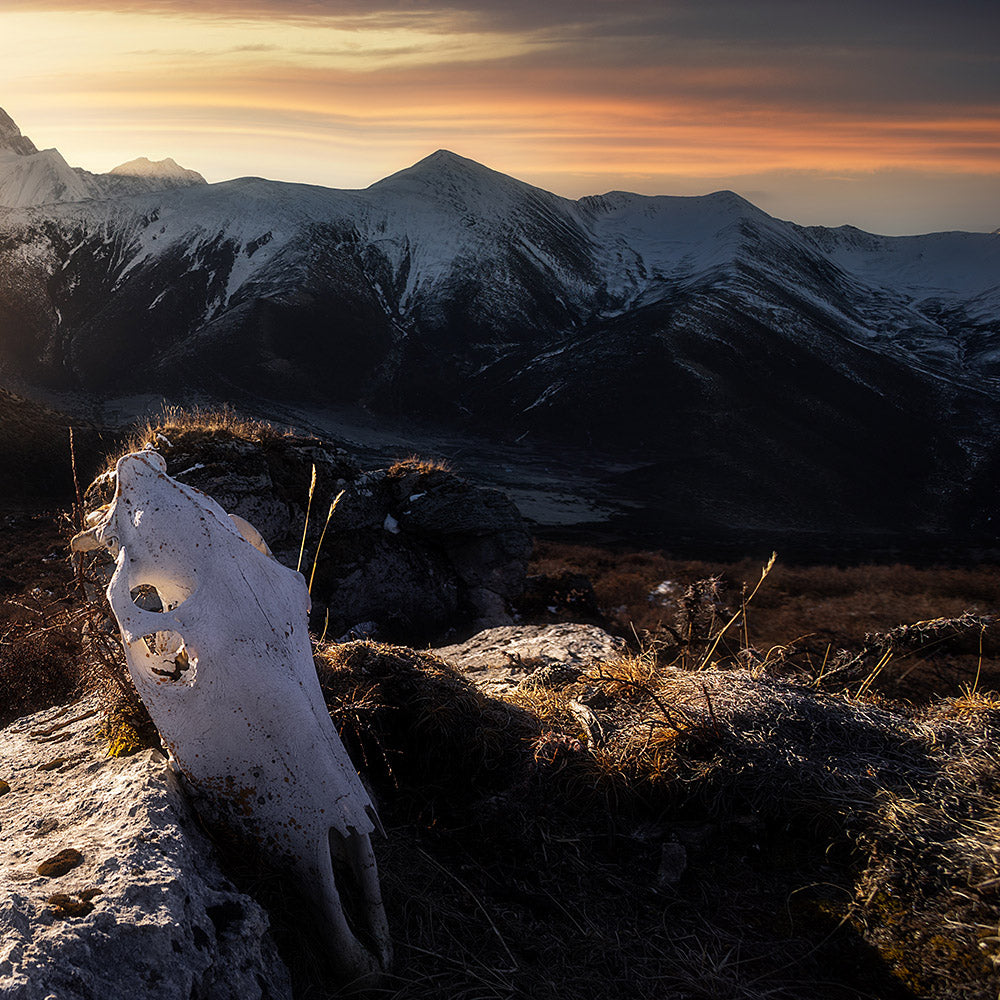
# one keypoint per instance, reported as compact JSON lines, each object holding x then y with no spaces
{"x":662,"y":93}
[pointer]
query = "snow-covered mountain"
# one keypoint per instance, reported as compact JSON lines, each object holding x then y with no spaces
{"x":167,"y":169}
{"x":756,"y":372}
{"x":30,"y":177}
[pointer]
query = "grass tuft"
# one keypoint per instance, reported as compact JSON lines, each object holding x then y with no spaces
{"x":415,"y":465}
{"x":176,"y":425}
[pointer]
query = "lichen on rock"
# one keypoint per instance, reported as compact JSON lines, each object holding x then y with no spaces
{"x":127,"y":909}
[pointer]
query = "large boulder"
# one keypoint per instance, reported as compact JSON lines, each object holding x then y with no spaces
{"x":107,"y":886}
{"x":411,"y":549}
{"x":415,"y":548}
{"x":511,"y":657}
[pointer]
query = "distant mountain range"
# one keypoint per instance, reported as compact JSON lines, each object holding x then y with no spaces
{"x":756,"y":377}
{"x":29,"y":177}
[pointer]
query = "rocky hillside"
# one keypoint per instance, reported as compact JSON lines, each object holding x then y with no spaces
{"x":567,"y":814}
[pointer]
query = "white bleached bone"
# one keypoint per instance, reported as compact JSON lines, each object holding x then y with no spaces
{"x":226,"y":671}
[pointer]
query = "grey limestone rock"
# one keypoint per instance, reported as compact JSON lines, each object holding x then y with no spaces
{"x":501,"y":659}
{"x":413,"y":548}
{"x":11,"y":138}
{"x":132,"y":903}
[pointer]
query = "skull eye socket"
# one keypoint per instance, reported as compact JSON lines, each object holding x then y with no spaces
{"x":148,"y":597}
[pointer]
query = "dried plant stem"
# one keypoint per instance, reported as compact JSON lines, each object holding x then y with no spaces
{"x":478,"y":903}
{"x":305,"y":527}
{"x":979,"y":665}
{"x":319,"y":544}
{"x":706,"y":660}
{"x":78,"y":517}
{"x":876,"y":670}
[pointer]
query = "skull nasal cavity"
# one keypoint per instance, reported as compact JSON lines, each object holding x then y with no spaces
{"x":350,"y":890}
{"x":167,"y":657}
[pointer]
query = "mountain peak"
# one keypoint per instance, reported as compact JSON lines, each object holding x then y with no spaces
{"x":11,"y":138}
{"x":166,"y":170}
{"x":445,"y":156}
{"x":443,"y":164}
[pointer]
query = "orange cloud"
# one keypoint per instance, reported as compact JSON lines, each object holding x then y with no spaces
{"x":343,"y":100}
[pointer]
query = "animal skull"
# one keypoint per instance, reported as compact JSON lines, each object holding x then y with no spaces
{"x":226,"y":671}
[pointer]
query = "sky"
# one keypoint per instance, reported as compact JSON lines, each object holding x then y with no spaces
{"x":884,"y":114}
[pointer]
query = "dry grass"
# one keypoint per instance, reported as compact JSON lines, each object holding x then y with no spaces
{"x":181,"y":423}
{"x":802,"y":617}
{"x":40,"y":664}
{"x":819,"y":600}
{"x":416,"y":465}
{"x":55,"y":645}
{"x":830,"y":846}
{"x":126,"y":724}
{"x":410,"y":718}
{"x":41,"y":652}
{"x":834,"y":846}
{"x":517,"y":862}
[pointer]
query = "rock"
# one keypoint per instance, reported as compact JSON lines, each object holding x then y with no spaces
{"x":413,"y":548}
{"x":132,"y":903}
{"x":416,"y":549}
{"x":65,"y":861}
{"x":673,"y":864}
{"x":498,"y":660}
{"x":264,"y":481}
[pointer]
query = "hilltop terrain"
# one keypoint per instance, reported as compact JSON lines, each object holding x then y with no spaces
{"x":771,"y":792}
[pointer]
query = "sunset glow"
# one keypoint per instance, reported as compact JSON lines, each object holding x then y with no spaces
{"x":889,"y":123}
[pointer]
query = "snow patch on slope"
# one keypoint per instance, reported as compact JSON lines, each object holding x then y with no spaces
{"x":39,"y":179}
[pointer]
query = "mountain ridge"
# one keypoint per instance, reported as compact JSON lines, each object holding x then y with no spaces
{"x":30,"y":177}
{"x":701,"y":336}
{"x":11,"y":138}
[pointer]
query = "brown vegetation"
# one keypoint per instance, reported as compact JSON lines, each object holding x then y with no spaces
{"x":55,"y":643}
{"x":414,"y":464}
{"x":41,"y":652}
{"x":718,"y":834}
{"x":177,"y":424}
{"x":803,"y":617}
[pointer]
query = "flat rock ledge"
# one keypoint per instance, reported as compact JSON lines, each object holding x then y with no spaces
{"x":108,"y":889}
{"x":500,"y":660}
